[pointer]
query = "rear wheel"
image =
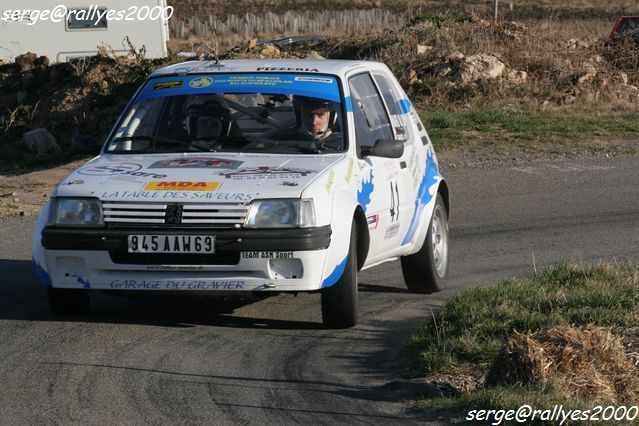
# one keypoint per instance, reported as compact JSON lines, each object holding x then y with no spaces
{"x":65,"y":301}
{"x":339,"y":302}
{"x":427,"y":270}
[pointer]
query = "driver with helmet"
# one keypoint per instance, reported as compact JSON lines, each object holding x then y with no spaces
{"x":209,"y":123}
{"x":316,"y":121}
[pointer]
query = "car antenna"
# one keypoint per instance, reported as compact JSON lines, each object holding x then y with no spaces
{"x":217,"y":48}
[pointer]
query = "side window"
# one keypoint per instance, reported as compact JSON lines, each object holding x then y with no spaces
{"x":86,"y":19}
{"x":371,"y":120}
{"x":392,"y":103}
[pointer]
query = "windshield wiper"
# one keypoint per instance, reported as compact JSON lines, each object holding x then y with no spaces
{"x":149,"y":138}
{"x":305,"y":149}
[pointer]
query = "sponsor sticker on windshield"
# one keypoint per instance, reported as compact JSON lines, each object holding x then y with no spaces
{"x":317,"y":86}
{"x":168,"y":85}
{"x":201,"y":82}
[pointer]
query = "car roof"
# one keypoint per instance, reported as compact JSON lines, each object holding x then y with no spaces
{"x":322,"y":66}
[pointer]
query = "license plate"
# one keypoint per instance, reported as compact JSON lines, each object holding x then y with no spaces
{"x":171,"y":244}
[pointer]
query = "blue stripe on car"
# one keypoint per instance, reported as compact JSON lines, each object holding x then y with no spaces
{"x":337,"y":273}
{"x":348,"y":103}
{"x":404,"y":106}
{"x":364,"y":194}
{"x":431,"y":173}
{"x":41,"y":273}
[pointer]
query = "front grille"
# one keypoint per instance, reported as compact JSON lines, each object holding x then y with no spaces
{"x":220,"y":258}
{"x":211,"y":214}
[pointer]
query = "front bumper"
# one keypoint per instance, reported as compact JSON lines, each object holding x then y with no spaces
{"x":245,"y":260}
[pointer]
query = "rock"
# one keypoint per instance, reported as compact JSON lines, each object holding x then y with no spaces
{"x":102,"y":84}
{"x":442,"y":70}
{"x":589,"y":69}
{"x":41,"y":142}
{"x":422,"y":50}
{"x":586,"y":78}
{"x":631,"y":88}
{"x":412,"y":78}
{"x":27,"y":79}
{"x":41,"y":62}
{"x":575,"y":43}
{"x":512,"y":35}
{"x":61,"y":70}
{"x":270,"y":51}
{"x":26,"y":62}
{"x":479,"y":21}
{"x":479,"y":67}
{"x":623,"y":77}
{"x":517,"y":76}
{"x":458,"y":384}
{"x":314,"y":55}
{"x":515,"y":26}
{"x":21,"y":96}
{"x":587,"y":74}
{"x":456,"y":59}
{"x":632,"y":92}
{"x":7,"y":100}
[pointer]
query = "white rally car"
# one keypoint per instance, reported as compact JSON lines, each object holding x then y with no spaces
{"x":254,"y":176}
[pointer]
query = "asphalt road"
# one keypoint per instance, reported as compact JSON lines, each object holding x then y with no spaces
{"x":198,"y":360}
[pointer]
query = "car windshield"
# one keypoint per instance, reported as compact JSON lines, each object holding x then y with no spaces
{"x":628,"y":26}
{"x":270,"y":113}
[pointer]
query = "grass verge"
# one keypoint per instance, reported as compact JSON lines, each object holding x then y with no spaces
{"x":496,"y":127}
{"x":472,"y":331}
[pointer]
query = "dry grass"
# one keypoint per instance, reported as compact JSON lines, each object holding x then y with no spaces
{"x":563,"y":336}
{"x":588,"y":364}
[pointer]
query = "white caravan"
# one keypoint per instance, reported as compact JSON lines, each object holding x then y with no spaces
{"x":64,"y":30}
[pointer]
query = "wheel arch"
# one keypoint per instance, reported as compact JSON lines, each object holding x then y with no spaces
{"x":363,"y":237}
{"x":442,"y":189}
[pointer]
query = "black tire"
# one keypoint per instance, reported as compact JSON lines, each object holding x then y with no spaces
{"x":64,"y":301}
{"x":339,"y":302}
{"x":420,"y":271}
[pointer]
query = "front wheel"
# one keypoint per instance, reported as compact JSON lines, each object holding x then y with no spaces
{"x":64,"y":301}
{"x":339,"y":302}
{"x":427,"y":270}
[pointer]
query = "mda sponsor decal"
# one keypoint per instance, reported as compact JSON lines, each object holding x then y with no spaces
{"x":182,"y":186}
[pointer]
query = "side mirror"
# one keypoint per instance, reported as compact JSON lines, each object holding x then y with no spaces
{"x":386,"y":148}
{"x":82,"y":144}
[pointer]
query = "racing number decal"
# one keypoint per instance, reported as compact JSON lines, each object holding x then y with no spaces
{"x":394,"y":209}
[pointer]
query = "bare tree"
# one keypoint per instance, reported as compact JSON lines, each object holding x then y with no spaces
{"x":496,"y":10}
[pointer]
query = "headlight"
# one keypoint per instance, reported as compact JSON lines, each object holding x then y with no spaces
{"x":77,"y":212}
{"x":281,"y":214}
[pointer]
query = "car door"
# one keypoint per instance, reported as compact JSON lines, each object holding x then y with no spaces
{"x":378,"y":187}
{"x":401,"y":174}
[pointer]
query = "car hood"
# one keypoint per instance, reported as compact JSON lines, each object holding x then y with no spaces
{"x":193,"y":177}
